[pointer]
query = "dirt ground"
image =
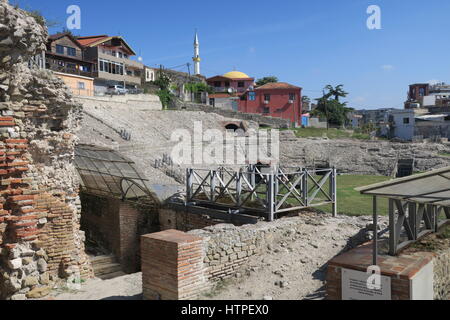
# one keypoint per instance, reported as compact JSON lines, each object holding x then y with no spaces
{"x":292,"y":269}
{"x":127,"y":287}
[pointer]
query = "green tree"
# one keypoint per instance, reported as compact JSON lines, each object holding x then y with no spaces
{"x":164,"y":93}
{"x":329,"y":106}
{"x":266,"y":80}
{"x":197,"y":87}
{"x":337,"y":92}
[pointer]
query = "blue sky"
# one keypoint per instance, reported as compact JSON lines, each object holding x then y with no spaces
{"x":303,"y":42}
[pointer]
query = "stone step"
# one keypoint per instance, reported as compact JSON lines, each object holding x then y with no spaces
{"x":101,"y":260}
{"x":107,"y":269}
{"x":112,"y":275}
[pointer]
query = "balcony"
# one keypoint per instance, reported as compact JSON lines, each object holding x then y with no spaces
{"x":65,"y":69}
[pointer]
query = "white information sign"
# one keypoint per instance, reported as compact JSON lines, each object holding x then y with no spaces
{"x":354,"y":286}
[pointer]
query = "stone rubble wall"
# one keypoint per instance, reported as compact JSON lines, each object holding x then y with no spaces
{"x":360,"y":157}
{"x":40,"y":238}
{"x":441,"y":269}
{"x":262,"y":120}
{"x":227,"y":247}
{"x":143,"y":102}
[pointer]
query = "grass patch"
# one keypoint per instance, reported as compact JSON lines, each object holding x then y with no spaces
{"x":330,"y":133}
{"x":351,"y":202}
{"x":444,"y":154}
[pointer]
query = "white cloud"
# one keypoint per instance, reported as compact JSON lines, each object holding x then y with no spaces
{"x":387,"y":67}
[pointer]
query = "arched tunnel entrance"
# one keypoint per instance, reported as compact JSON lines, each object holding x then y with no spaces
{"x":117,"y":207}
{"x":232,"y":126}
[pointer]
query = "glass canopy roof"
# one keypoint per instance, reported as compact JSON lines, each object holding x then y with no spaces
{"x":427,"y":188}
{"x":106,"y":172}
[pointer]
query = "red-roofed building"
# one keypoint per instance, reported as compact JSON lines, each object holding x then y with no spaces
{"x":64,"y":56}
{"x":281,"y":100}
{"x":112,"y":55}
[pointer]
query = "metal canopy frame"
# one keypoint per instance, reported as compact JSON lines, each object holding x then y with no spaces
{"x":267,"y":193}
{"x":418,"y":205}
{"x":105,"y":172}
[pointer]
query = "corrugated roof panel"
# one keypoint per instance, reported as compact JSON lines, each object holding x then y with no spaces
{"x":432,"y":187}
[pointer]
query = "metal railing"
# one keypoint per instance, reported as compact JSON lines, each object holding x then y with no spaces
{"x":267,"y":193}
{"x":74,"y":71}
{"x":410,"y":221}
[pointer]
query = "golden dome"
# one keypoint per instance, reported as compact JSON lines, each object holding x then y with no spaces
{"x":236,"y":75}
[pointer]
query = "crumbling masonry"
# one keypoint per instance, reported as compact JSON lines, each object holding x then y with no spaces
{"x":40,"y":238}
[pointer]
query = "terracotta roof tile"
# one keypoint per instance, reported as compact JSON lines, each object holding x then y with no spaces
{"x":278,"y":85}
{"x":85,"y":41}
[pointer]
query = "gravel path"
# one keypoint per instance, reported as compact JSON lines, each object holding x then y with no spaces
{"x":128,"y":287}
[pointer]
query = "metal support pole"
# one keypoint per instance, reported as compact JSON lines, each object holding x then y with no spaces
{"x":213,"y":185}
{"x":412,"y":217}
{"x":270,"y":198}
{"x":238,"y":188}
{"x":189,"y":185}
{"x":375,"y":232}
{"x":392,"y":231}
{"x":305,"y":187}
{"x":333,"y":189}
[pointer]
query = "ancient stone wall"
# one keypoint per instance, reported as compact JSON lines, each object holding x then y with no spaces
{"x":40,"y":240}
{"x":262,"y":120}
{"x":360,"y":157}
{"x":183,"y":220}
{"x":441,"y":264}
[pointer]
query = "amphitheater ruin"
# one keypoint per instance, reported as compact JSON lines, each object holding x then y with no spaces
{"x":90,"y":194}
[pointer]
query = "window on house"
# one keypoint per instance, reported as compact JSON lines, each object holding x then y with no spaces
{"x":217,"y":84}
{"x":125,"y":56}
{"x":59,"y":49}
{"x":266,"y":110}
{"x":227,"y":84}
{"x":251,"y":96}
{"x":81,"y":85}
{"x":241,"y":84}
{"x":137,"y":73}
{"x":120,"y":55}
{"x":267,"y":97}
{"x":114,"y":54}
{"x":291,"y":96}
{"x":71,"y":51}
{"x":405,"y":120}
{"x":421,"y":92}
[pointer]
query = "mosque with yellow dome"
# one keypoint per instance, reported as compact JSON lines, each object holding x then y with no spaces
{"x":233,"y":82}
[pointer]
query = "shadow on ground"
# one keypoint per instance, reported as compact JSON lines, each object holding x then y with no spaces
{"x":135,"y":297}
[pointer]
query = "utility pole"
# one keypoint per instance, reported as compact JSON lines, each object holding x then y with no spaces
{"x":326,"y":108}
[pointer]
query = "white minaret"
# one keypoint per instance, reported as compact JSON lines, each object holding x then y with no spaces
{"x":196,"y":57}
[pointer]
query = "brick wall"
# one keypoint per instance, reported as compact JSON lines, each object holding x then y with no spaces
{"x":116,"y":226}
{"x":184,"y":221}
{"x":130,"y":220}
{"x":172,"y":266}
{"x":100,"y":220}
{"x":40,"y":239}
